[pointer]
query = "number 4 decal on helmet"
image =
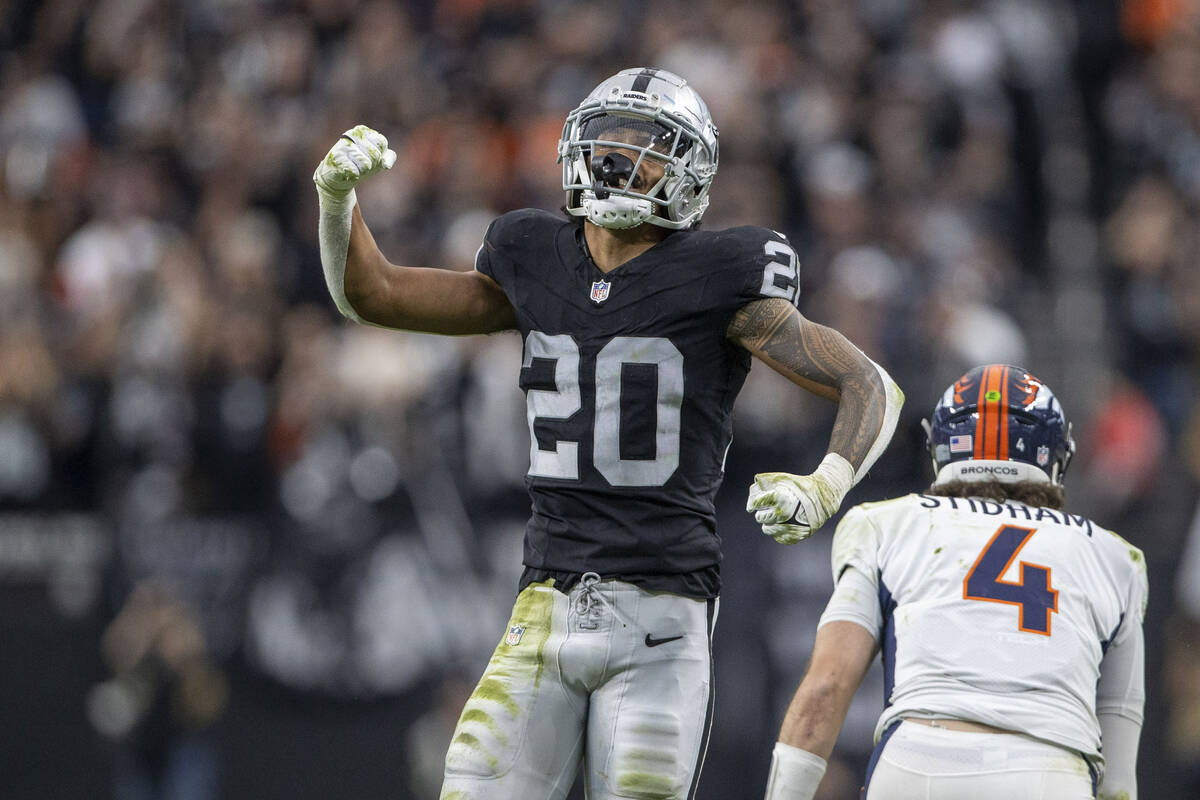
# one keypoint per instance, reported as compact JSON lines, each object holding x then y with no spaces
{"x":1033,"y":593}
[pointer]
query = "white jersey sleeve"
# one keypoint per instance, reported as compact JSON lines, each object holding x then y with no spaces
{"x":1122,"y":686}
{"x":1121,"y":695}
{"x":855,"y":599}
{"x":855,"y":574}
{"x":999,"y":613}
{"x":856,"y":542}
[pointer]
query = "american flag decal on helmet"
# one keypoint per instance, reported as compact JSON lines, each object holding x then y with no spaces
{"x":600,"y":290}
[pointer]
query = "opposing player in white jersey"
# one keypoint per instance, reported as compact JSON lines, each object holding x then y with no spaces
{"x":1011,"y":630}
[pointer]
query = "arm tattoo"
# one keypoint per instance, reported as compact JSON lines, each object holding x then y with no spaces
{"x":821,"y":360}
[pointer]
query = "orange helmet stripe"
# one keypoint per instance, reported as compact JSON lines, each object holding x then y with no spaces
{"x":1002,"y":411}
{"x":992,"y":419}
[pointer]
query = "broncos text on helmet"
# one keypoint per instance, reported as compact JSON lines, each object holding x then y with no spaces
{"x":999,"y":422}
{"x":663,"y":125}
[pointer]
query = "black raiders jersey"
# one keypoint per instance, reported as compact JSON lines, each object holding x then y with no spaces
{"x":630,"y":383}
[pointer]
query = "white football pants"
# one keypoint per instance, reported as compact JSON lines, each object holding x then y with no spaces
{"x":919,"y":762}
{"x":609,"y":673}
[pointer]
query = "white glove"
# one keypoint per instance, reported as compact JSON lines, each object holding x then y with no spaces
{"x":779,"y":497}
{"x":359,"y":152}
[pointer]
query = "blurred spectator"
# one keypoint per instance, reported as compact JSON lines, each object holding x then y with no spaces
{"x":1182,"y":679}
{"x":164,"y":694}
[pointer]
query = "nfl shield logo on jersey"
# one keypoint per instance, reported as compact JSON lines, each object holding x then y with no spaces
{"x":600,"y":290}
{"x":514,"y":635}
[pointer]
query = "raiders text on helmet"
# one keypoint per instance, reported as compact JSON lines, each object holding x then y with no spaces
{"x":639,"y":116}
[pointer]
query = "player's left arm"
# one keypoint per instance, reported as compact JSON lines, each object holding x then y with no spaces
{"x":824,"y":362}
{"x":1120,"y":698}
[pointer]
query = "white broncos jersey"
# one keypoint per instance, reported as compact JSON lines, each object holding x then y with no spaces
{"x":1023,"y":618}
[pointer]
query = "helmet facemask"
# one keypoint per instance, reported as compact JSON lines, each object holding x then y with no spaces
{"x":626,"y":158}
{"x":661,"y":163}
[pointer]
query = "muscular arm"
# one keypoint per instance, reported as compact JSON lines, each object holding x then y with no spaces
{"x":363,"y":284}
{"x":825,"y":363}
{"x":841,"y":655}
{"x":420,"y":298}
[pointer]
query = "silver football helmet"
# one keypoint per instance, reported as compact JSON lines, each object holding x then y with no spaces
{"x":639,"y":117}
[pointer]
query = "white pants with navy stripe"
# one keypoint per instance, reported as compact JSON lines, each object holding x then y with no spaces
{"x":609,"y":673}
{"x":919,"y":762}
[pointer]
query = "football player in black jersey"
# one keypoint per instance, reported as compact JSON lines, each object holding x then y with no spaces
{"x":638,"y":332}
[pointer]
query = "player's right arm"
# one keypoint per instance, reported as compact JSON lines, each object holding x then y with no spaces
{"x":848,"y":638}
{"x":842,"y":653}
{"x":419,"y":298}
{"x":368,"y":288}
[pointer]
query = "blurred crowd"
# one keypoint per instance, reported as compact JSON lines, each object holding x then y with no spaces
{"x":335,"y":511}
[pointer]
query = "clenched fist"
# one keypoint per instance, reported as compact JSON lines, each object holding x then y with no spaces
{"x":359,"y":152}
{"x":791,"y":507}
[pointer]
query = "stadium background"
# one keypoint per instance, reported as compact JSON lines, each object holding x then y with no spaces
{"x":264,"y":552}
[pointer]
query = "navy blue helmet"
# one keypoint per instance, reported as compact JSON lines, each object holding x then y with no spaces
{"x":999,"y":422}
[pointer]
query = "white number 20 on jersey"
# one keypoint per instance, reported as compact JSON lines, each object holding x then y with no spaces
{"x":566,"y":399}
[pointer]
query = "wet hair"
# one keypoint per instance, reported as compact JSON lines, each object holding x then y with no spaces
{"x":1031,"y":493}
